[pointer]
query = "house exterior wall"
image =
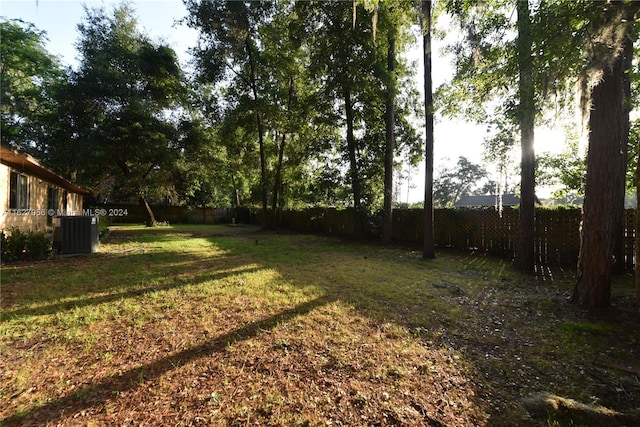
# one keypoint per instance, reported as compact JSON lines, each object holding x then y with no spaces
{"x":4,"y":194}
{"x":35,"y":217}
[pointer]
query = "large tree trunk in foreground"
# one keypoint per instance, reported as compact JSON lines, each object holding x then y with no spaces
{"x":428,"y":246}
{"x":619,"y":245}
{"x":605,"y":184}
{"x":525,"y":255}
{"x":150,"y":218}
{"x":637,"y":222}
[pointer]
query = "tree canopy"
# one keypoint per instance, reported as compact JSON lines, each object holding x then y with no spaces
{"x":296,"y":103}
{"x":27,"y":72}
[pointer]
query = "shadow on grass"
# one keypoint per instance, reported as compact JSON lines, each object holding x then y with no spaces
{"x":340,"y":271}
{"x":449,"y":303}
{"x":133,"y":292}
{"x":102,"y":390}
{"x":82,"y":281}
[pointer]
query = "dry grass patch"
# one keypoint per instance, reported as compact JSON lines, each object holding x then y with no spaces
{"x":233,"y":326}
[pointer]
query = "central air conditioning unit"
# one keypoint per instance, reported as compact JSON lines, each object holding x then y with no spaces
{"x":75,"y":234}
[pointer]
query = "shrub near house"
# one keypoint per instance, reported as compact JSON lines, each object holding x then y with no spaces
{"x":17,"y":245}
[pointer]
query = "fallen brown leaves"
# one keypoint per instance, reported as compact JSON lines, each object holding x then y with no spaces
{"x":240,"y":341}
{"x":356,"y":374}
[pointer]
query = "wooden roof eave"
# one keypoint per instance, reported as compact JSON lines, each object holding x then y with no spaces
{"x":26,"y":164}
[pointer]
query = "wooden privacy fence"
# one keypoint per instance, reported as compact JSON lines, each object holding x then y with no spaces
{"x":557,"y":231}
{"x":336,"y":222}
{"x":132,"y":213}
{"x":629,"y":239}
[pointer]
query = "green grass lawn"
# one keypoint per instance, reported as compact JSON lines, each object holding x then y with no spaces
{"x":221,"y":325}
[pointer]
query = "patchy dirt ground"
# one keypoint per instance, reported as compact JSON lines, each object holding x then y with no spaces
{"x":234,"y":327}
{"x":531,"y":347}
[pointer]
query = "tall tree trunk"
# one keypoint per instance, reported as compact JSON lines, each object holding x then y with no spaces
{"x":525,"y":256}
{"x":278,"y":178}
{"x":150,"y":218}
{"x":618,"y":251}
{"x":428,"y":245}
{"x":390,"y":143}
{"x":604,"y":188}
{"x":277,"y":182}
{"x":353,"y":160}
{"x":637,"y":222}
{"x":258,"y":113}
{"x":236,"y":190}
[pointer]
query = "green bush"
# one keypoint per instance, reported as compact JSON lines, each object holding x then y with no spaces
{"x":103,"y":224}
{"x":20,"y":246}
